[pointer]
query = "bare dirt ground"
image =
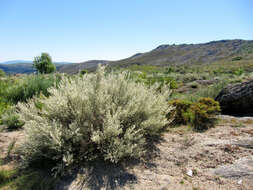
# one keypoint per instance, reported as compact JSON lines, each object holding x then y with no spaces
{"x":218,"y":159}
{"x":8,"y":142}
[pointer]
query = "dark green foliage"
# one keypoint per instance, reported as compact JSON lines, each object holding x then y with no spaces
{"x":43,"y":64}
{"x":203,"y":113}
{"x":181,"y":111}
{"x":238,"y":58}
{"x":200,"y":114}
{"x":31,"y":86}
{"x":84,"y":71}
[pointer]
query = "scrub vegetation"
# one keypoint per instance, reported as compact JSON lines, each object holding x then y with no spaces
{"x":112,"y":115}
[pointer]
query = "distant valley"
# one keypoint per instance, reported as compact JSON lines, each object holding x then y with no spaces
{"x":23,"y":67}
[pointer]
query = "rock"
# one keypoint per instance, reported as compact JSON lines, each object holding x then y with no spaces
{"x":189,"y":173}
{"x":241,"y":168}
{"x":237,"y":99}
{"x":245,"y":143}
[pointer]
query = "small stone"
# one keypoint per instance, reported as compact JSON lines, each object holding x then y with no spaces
{"x":189,"y":173}
{"x":239,"y":182}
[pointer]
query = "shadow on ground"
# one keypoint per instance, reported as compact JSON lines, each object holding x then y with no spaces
{"x":103,"y":175}
{"x":97,"y":176}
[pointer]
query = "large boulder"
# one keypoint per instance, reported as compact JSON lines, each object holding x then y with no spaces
{"x":237,"y":99}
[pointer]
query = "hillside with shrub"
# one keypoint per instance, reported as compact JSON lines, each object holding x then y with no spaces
{"x":127,"y":126}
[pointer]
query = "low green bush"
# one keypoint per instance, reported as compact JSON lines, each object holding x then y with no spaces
{"x":31,"y":86}
{"x":237,"y":58}
{"x":203,"y":113}
{"x":97,"y":116}
{"x":83,"y":72}
{"x":10,"y":119}
{"x":181,"y":111}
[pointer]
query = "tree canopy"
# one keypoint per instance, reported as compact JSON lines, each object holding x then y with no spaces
{"x":43,"y":64}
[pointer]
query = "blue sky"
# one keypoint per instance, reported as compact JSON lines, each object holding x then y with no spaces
{"x":80,"y":30}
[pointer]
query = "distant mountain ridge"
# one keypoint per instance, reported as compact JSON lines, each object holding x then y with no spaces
{"x":204,"y":53}
{"x":23,"y":67}
{"x":15,"y":62}
{"x":164,"y":55}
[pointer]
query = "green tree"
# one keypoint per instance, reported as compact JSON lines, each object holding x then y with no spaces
{"x":43,"y":64}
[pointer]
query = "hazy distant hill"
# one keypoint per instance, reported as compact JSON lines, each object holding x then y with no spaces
{"x":14,"y":68}
{"x":20,"y":66}
{"x":15,"y":62}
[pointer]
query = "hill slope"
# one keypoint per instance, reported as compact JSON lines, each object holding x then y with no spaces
{"x":76,"y":67}
{"x":165,"y":55}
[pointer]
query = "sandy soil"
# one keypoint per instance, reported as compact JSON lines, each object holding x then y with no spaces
{"x":219,"y":159}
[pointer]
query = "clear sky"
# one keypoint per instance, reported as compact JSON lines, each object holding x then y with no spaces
{"x":80,"y":30}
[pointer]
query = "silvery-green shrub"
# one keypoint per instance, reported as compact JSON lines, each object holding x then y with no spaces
{"x":97,"y":115}
{"x":11,"y":120}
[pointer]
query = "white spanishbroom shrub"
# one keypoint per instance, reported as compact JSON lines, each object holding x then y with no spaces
{"x":98,"y":115}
